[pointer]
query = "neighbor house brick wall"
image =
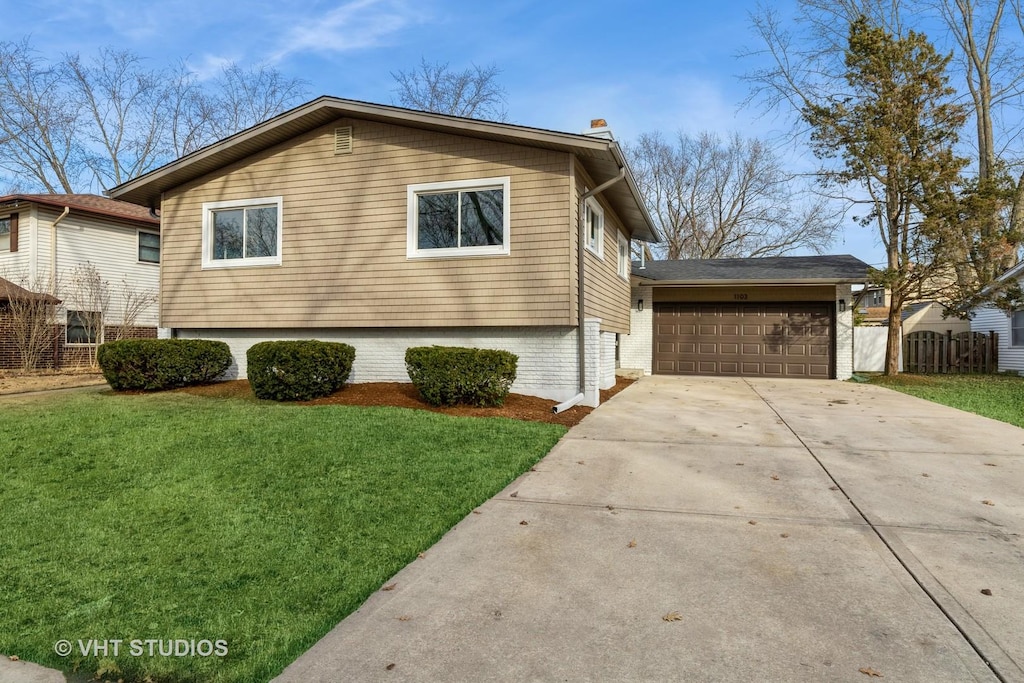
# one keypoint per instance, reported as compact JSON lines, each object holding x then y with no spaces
{"x":844,"y":333}
{"x":635,"y":350}
{"x":547,"y":355}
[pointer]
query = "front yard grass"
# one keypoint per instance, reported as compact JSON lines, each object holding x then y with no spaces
{"x":180,"y":517}
{"x":1000,"y":397}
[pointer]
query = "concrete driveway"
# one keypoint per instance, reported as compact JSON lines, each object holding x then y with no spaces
{"x":723,"y":529}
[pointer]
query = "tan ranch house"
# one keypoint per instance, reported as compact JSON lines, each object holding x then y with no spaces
{"x":387,"y":228}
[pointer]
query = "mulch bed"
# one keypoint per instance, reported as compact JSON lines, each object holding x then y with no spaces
{"x":404,"y":395}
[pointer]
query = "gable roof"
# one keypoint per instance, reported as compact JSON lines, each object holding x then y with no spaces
{"x":87,"y":203}
{"x":769,"y":270}
{"x":602,"y":158}
{"x":12,"y":292}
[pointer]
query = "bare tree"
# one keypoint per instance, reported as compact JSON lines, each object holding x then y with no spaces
{"x":126,"y":105}
{"x":74,"y":124}
{"x":718,"y":199}
{"x":33,"y":323}
{"x":88,"y":299}
{"x":132,"y":303}
{"x":40,"y":126}
{"x":471,"y":93}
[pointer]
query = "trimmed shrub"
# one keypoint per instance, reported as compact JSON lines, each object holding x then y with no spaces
{"x":155,"y":364}
{"x":298,"y":370}
{"x":448,"y":375}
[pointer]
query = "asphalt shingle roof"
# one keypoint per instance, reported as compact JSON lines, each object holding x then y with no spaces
{"x":90,"y":203}
{"x":771,"y":269}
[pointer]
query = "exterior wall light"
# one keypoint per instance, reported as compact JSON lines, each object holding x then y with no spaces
{"x":842,"y":305}
{"x":639,"y":304}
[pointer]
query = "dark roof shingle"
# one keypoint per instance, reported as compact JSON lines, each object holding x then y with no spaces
{"x":837,"y":268}
{"x":90,"y":203}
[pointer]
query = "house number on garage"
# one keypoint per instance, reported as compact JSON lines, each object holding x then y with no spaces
{"x":740,"y":297}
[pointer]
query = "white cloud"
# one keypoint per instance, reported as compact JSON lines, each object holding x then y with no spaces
{"x":210,"y":66}
{"x":354,"y":25}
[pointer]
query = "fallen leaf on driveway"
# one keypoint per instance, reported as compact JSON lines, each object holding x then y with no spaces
{"x":514,"y":494}
{"x":477,"y":512}
{"x":739,"y":464}
{"x":523,"y":523}
{"x":784,"y":535}
{"x":672,"y":616}
{"x":775,"y":477}
{"x":988,"y":502}
{"x":925,"y":474}
{"x":751,"y":522}
{"x":991,"y":464}
{"x":389,"y":587}
{"x":870,"y":672}
{"x":580,"y":462}
{"x":833,"y":488}
{"x":389,"y":667}
{"x":404,"y":617}
{"x":421,"y":555}
{"x":986,"y":591}
{"x":631,"y":544}
{"x":610,"y":507}
{"x":14,"y":658}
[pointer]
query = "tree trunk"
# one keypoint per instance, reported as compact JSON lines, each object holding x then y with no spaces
{"x":893,"y":339}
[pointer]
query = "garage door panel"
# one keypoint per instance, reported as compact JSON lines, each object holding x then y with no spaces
{"x":753,"y":339}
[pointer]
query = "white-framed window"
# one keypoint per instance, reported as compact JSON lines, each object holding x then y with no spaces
{"x":83,"y":328}
{"x":463,"y":218}
{"x":5,"y":234}
{"x":877,"y":296}
{"x":149,"y":247}
{"x":593,"y":223}
{"x":1017,"y":328}
{"x":624,"y":261}
{"x":242,"y":232}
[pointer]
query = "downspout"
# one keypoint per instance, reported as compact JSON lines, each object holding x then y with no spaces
{"x":53,"y":250}
{"x":581,"y":345}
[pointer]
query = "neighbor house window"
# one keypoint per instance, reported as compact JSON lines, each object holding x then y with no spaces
{"x":242,"y":233}
{"x":465,"y":218}
{"x":593,"y":222}
{"x":149,"y":247}
{"x":84,"y":327}
{"x":5,"y":234}
{"x":876,"y":297}
{"x":624,"y":263}
{"x":1017,"y":328}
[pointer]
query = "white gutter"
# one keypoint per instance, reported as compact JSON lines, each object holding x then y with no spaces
{"x":581,"y":347}
{"x":53,"y":250}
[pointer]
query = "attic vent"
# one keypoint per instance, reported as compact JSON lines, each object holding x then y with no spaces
{"x":343,"y":140}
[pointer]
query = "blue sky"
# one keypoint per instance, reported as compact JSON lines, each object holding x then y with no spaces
{"x":648,"y":65}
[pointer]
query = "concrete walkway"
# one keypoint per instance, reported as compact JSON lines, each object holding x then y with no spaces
{"x":728,"y":530}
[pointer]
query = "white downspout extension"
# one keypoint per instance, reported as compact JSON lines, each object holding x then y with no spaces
{"x":581,"y":346}
{"x":53,"y":250}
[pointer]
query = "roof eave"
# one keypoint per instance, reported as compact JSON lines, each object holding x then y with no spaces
{"x":734,"y":282}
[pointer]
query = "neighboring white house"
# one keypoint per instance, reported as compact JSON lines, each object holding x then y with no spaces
{"x":1008,"y":325}
{"x":42,"y":235}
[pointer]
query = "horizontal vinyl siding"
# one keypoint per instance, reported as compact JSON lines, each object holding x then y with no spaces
{"x":606,"y":295}
{"x":112,"y":247}
{"x":991,"y":319}
{"x":344,"y":261}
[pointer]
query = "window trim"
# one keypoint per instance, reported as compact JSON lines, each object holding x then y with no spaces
{"x":625,"y":264}
{"x":138,"y":245}
{"x":412,"y":218}
{"x":592,"y":205}
{"x":10,"y":235}
{"x":67,"y":326}
{"x":1021,"y":327}
{"x":208,"y":262}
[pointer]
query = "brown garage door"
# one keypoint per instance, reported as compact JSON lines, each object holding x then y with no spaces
{"x":753,"y":340}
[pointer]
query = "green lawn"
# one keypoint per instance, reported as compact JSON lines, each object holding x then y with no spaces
{"x":1000,"y":397}
{"x":172,"y":516}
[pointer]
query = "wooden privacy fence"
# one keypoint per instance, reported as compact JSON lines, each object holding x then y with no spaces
{"x":947,"y":353}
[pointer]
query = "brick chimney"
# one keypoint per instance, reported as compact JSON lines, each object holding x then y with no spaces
{"x":599,"y":129}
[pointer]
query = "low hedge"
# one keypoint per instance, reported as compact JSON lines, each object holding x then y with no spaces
{"x":155,"y":364}
{"x":449,"y":375}
{"x":298,"y":370}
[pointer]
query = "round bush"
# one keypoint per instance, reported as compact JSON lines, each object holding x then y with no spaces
{"x":298,"y":370}
{"x":155,"y":364}
{"x":448,"y":375}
